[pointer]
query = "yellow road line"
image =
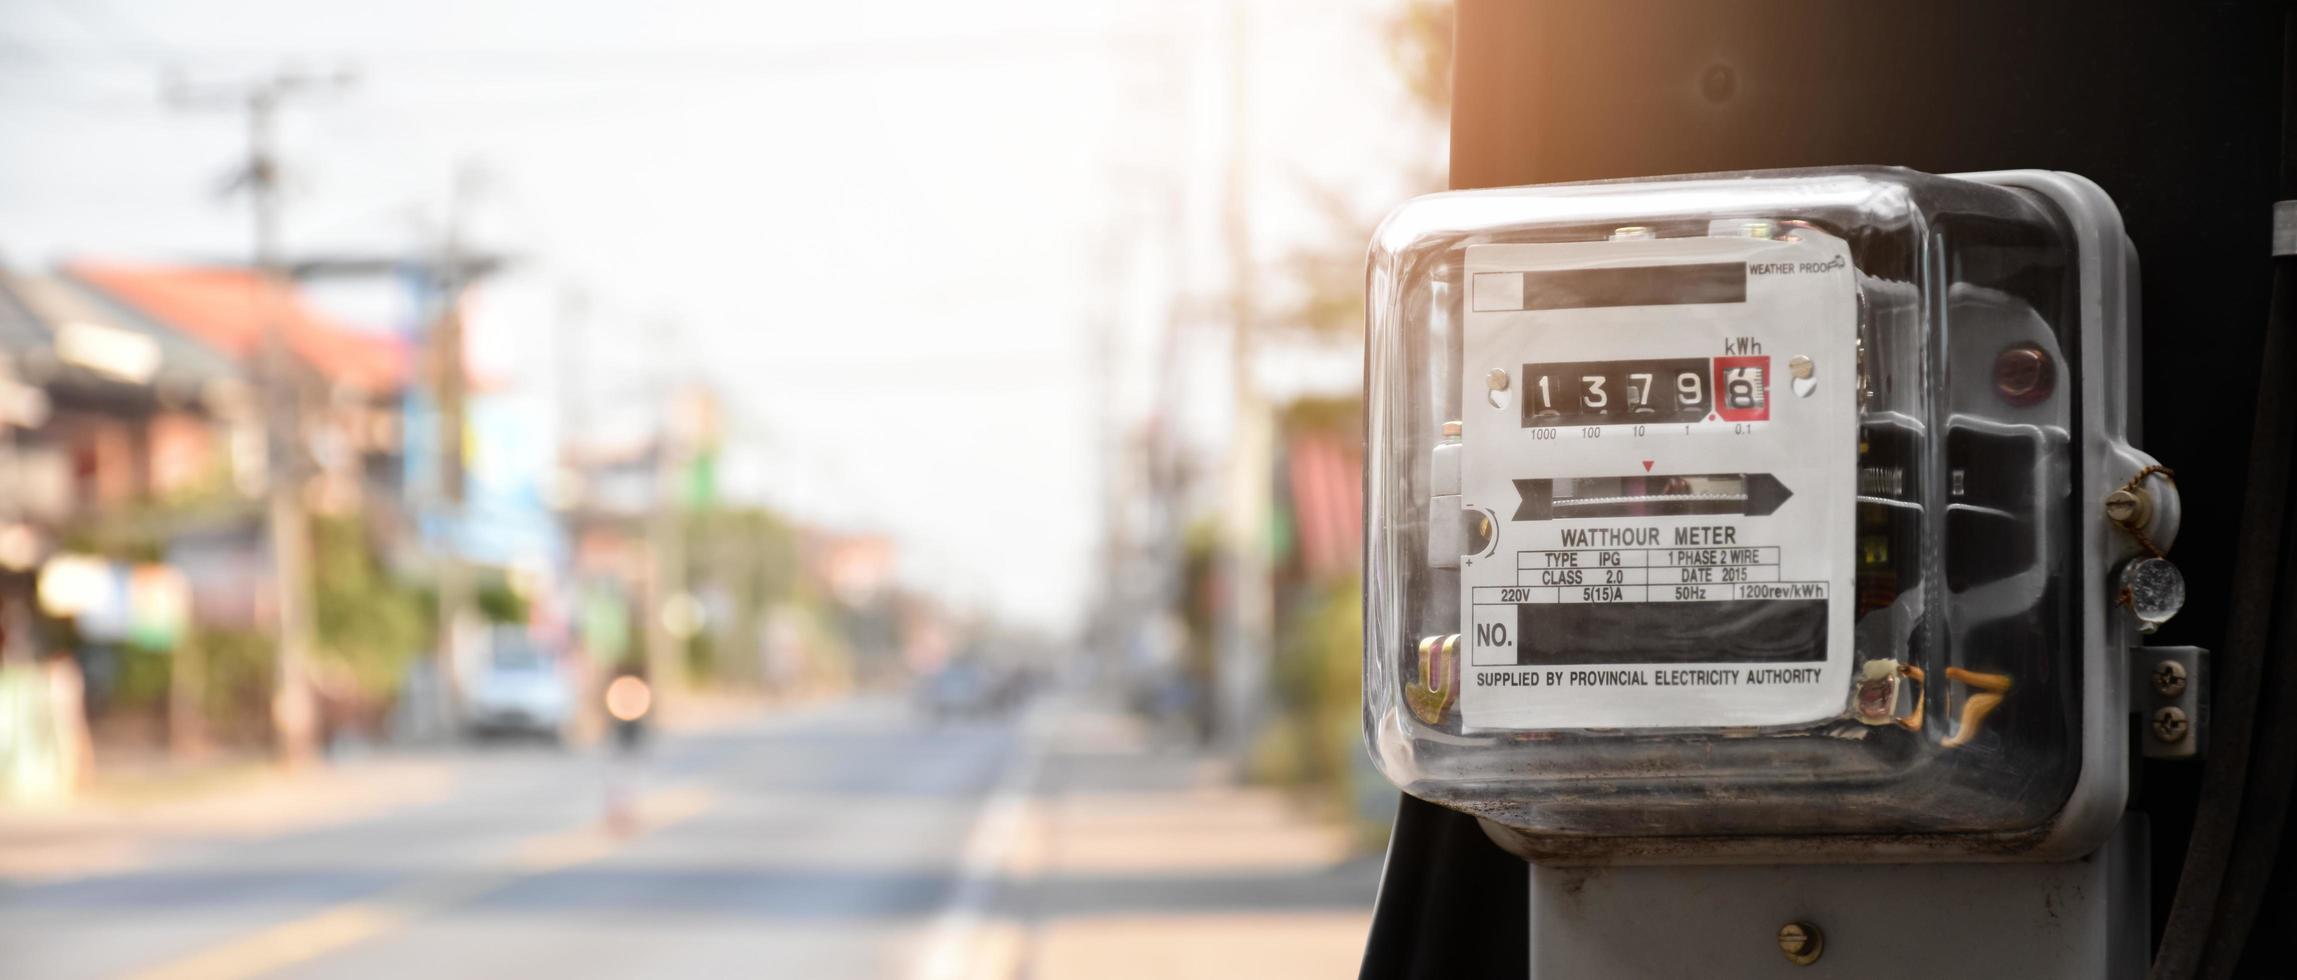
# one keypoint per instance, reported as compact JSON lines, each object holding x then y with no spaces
{"x":345,"y":924}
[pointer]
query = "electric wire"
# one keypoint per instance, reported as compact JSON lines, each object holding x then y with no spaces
{"x":2241,"y":807}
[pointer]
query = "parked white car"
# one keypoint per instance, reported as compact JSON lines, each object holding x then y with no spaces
{"x":523,"y":689}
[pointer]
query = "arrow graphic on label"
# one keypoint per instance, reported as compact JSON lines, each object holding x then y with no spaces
{"x":1647,"y":466}
{"x":1745,"y":494}
{"x":1764,"y":494}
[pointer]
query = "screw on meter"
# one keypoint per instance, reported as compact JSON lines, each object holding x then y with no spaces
{"x":1673,"y":515}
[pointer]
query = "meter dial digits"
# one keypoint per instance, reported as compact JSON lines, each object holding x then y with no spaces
{"x":1743,"y":387}
{"x":1573,"y":393}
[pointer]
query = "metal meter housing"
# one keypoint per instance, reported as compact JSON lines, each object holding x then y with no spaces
{"x":1752,"y":514}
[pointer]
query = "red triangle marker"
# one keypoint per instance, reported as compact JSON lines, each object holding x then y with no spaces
{"x":1646,"y":466}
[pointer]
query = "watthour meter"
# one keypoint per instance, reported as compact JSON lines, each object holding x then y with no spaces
{"x":1760,"y":513}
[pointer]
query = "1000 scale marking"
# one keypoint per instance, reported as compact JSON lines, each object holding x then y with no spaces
{"x":1551,"y":432}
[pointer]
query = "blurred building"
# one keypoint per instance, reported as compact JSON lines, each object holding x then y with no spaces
{"x":857,"y":570}
{"x":134,"y":458}
{"x":604,"y":494}
{"x":122,"y":437}
{"x":1320,"y":507}
{"x":349,"y":380}
{"x":666,"y":572}
{"x":348,"y":384}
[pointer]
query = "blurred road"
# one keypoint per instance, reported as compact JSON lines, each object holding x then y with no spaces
{"x":854,"y":840}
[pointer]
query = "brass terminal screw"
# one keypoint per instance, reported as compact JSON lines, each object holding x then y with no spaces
{"x":2169,"y":725}
{"x":2128,"y":508}
{"x":2169,"y":678}
{"x":1801,"y":942}
{"x":1800,"y":366}
{"x":1496,"y":379}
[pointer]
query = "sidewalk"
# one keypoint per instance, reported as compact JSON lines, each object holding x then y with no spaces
{"x":1134,"y":860}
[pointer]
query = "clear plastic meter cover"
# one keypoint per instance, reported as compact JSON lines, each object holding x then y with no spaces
{"x":1725,"y":506}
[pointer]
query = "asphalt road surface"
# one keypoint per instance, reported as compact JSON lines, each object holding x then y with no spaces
{"x":824,"y":844}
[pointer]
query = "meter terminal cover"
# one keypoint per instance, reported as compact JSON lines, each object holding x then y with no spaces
{"x":1745,"y":516}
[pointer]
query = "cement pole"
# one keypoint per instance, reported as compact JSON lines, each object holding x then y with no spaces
{"x":666,"y":533}
{"x":450,"y":400}
{"x":294,"y":712}
{"x":1242,"y":673}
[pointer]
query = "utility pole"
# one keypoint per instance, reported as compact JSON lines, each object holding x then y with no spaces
{"x":674,"y":448}
{"x":294,"y":713}
{"x":450,"y":393}
{"x":1242,"y":672}
{"x":1113,"y":621}
{"x":438,"y":281}
{"x":572,"y":382}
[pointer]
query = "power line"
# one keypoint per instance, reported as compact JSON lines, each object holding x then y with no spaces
{"x":668,"y":61}
{"x":101,"y":23}
{"x":114,"y":95}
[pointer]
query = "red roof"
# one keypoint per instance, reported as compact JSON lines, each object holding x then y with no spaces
{"x":227,"y":307}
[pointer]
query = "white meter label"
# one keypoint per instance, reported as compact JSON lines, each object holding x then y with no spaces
{"x":1663,"y":436}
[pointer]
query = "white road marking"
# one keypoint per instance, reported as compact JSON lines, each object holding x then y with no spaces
{"x":958,"y":946}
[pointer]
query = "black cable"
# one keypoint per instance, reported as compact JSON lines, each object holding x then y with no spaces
{"x":1451,"y":903}
{"x":2249,"y":878}
{"x":2217,"y":899}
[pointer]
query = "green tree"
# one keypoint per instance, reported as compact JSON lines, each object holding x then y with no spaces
{"x":1326,"y":281}
{"x":366,"y":619}
{"x":1319,"y":661}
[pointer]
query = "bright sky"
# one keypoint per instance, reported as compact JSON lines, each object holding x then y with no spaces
{"x":884,"y":232}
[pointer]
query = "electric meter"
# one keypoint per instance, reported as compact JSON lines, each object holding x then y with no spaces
{"x":1742,"y":514}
